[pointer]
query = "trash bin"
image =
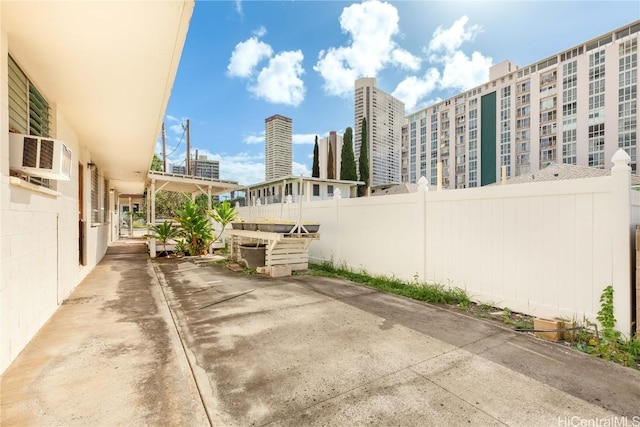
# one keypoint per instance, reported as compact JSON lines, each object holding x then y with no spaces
{"x":253,"y":256}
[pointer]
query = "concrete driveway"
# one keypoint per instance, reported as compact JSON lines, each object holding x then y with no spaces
{"x":315,"y":351}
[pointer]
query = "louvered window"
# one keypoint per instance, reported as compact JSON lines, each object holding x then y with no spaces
{"x":38,"y":113}
{"x":18,"y":99}
{"x":105,"y":204}
{"x":29,"y":113}
{"x":95,"y":201}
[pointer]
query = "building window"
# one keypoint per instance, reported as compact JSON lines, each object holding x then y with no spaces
{"x":596,"y":145}
{"x":316,"y":189}
{"x":95,"y":201}
{"x":330,"y":190}
{"x":29,"y":111}
{"x":105,"y":204}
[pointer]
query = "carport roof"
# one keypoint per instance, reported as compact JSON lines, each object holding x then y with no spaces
{"x":191,"y":184}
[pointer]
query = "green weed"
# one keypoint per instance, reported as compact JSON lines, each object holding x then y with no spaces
{"x":433,"y":293}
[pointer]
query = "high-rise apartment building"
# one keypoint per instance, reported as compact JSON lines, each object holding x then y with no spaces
{"x":206,"y":168}
{"x":179,"y":169}
{"x":576,"y":107}
{"x":202,"y":167}
{"x":330,"y":148}
{"x":278,"y":141}
{"x":385,"y":116}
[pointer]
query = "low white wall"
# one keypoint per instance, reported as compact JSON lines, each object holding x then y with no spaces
{"x":546,"y":249}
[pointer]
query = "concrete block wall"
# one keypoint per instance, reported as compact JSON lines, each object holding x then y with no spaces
{"x":39,"y":236}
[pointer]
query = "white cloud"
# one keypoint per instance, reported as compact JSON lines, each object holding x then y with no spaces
{"x":239,"y":8}
{"x":280,"y":82}
{"x":174,"y":125}
{"x":241,"y":167}
{"x":246,"y":56}
{"x":254,"y":139}
{"x":447,"y":41}
{"x":462,"y":72}
{"x":459,"y":70}
{"x":405,"y":59}
{"x":304,"y":138}
{"x":260,"y":31}
{"x":177,"y":128}
{"x":300,"y":169}
{"x":371,"y":26}
{"x":412,"y":89}
{"x":450,"y":67}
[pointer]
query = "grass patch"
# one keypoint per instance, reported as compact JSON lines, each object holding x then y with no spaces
{"x":433,"y":293}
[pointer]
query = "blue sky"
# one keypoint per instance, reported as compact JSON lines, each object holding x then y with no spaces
{"x":244,"y":61}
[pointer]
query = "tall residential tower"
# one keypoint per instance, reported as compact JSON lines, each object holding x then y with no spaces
{"x":278,"y":141}
{"x":333,"y":144}
{"x":576,"y":107}
{"x":385,"y":116}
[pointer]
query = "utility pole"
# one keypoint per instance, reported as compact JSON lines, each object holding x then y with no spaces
{"x":188,"y":149}
{"x":164,"y":149}
{"x":195,"y":164}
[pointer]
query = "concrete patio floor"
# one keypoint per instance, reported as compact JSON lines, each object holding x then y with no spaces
{"x":302,"y":350}
{"x":108,"y":356}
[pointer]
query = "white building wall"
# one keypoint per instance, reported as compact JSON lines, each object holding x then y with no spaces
{"x":39,"y":236}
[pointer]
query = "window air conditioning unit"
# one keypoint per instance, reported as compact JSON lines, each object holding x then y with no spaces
{"x":40,"y":156}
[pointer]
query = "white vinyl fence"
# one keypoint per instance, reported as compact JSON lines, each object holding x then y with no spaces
{"x":546,"y":249}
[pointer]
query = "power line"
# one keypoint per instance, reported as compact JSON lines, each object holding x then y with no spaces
{"x":179,"y":142}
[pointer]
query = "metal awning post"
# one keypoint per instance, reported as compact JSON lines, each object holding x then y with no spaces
{"x":130,"y":218}
{"x":152,"y":241}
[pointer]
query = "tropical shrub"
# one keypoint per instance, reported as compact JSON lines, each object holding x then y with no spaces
{"x":223,"y":213}
{"x":196,"y":228}
{"x":164,"y":232}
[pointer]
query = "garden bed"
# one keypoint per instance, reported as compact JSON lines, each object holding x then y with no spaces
{"x":273,"y":226}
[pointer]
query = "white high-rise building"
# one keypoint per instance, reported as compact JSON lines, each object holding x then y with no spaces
{"x":385,"y":117}
{"x":202,"y":167}
{"x":278,"y":141}
{"x":576,"y":107}
{"x":205,"y":167}
{"x":335,"y":142}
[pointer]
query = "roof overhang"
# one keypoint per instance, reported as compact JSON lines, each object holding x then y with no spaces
{"x":108,"y":67}
{"x":291,"y":178}
{"x":190,"y":184}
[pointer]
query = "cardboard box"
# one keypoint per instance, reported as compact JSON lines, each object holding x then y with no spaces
{"x":549,"y":326}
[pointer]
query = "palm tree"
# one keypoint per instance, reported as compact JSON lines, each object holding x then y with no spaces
{"x":164,"y":232}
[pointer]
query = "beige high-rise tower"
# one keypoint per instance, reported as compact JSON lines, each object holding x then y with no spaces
{"x":278,"y":142}
{"x":385,"y":117}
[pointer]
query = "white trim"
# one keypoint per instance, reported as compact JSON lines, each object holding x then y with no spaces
{"x":15,"y":181}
